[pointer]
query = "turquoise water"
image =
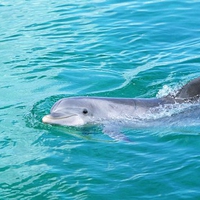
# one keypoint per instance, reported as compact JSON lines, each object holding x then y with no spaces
{"x":53,"y":49}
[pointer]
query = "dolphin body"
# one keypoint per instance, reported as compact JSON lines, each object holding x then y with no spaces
{"x":79,"y":111}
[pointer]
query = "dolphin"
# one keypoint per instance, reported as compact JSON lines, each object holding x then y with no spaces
{"x":79,"y":111}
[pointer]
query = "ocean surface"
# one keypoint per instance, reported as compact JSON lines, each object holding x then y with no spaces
{"x":53,"y":49}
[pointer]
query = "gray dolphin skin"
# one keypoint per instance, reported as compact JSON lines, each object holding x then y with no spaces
{"x":79,"y":111}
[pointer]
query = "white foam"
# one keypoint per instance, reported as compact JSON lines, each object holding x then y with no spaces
{"x":166,"y":90}
{"x":167,"y":110}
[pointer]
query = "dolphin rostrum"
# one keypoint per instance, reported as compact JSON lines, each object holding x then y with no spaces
{"x":79,"y":111}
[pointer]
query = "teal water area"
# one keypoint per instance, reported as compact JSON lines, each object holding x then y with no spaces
{"x":52,"y":49}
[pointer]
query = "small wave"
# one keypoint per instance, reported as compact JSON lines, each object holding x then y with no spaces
{"x":167,"y":110}
{"x":166,"y":90}
{"x":39,"y":109}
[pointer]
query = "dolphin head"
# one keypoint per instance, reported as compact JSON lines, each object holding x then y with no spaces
{"x":73,"y":112}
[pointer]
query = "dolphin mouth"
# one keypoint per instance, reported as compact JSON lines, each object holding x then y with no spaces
{"x":52,"y":117}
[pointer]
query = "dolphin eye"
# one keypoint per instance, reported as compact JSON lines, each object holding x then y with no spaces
{"x":85,"y":111}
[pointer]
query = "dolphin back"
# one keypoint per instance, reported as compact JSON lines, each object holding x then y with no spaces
{"x":190,"y":90}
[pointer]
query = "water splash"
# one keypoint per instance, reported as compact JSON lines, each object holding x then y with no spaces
{"x":165,"y":90}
